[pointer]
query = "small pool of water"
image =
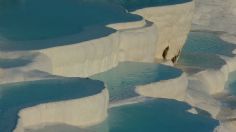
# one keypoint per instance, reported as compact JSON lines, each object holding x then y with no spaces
{"x":14,"y":97}
{"x":27,"y":20}
{"x":10,"y":63}
{"x":202,"y":49}
{"x":121,"y":81}
{"x":158,"y":115}
{"x":207,"y":42}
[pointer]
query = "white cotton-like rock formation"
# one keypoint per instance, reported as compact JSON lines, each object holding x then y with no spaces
{"x":205,"y":84}
{"x":160,"y":35}
{"x":173,"y":26}
{"x":80,"y":112}
{"x":142,"y":41}
{"x":193,"y":111}
{"x":171,"y":89}
{"x":215,"y":15}
{"x":226,"y":126}
{"x":98,"y":55}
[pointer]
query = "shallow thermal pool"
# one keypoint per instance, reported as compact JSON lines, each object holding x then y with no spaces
{"x":35,"y":20}
{"x":149,"y":116}
{"x":121,"y":81}
{"x":38,"y":24}
{"x":14,"y":97}
{"x":202,"y":50}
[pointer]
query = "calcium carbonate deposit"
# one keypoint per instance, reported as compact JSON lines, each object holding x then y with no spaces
{"x":117,"y":65}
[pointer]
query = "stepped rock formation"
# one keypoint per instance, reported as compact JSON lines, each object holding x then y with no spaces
{"x":141,"y":41}
{"x":167,"y":26}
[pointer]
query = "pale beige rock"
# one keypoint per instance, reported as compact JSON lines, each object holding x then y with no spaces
{"x":227,"y":126}
{"x":173,"y":23}
{"x":193,"y":111}
{"x":133,"y":41}
{"x":78,"y":112}
{"x":171,"y":89}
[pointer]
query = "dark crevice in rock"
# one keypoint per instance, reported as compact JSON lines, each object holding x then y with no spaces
{"x":164,"y":54}
{"x":175,"y":58}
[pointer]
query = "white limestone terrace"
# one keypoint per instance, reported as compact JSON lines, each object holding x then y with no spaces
{"x":96,"y":47}
{"x":208,"y":81}
{"x":73,"y":101}
{"x":219,"y":16}
{"x":82,"y":48}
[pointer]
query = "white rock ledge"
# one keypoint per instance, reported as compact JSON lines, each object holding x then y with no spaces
{"x":171,"y":89}
{"x":143,"y":41}
{"x":173,"y":23}
{"x":80,"y":112}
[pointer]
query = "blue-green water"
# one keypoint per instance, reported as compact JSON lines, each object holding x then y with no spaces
{"x":49,"y":23}
{"x":14,"y":97}
{"x":132,"y":5}
{"x":202,"y":50}
{"x":46,"y":19}
{"x":207,"y":42}
{"x":158,"y":116}
{"x":17,"y":62}
{"x":9,"y":63}
{"x":150,"y":116}
{"x":121,"y":81}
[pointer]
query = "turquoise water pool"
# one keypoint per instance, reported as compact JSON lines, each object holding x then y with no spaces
{"x":38,"y":24}
{"x":14,"y":97}
{"x":208,"y":42}
{"x":9,"y":63}
{"x":158,"y":116}
{"x":132,"y":5}
{"x":121,"y":81}
{"x":29,"y":20}
{"x":202,"y":49}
